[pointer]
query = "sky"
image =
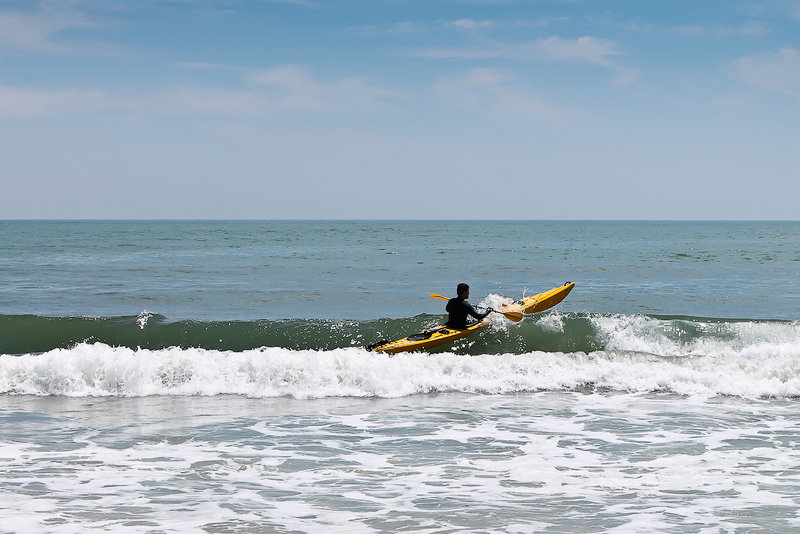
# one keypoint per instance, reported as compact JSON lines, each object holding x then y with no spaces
{"x":399,"y":109}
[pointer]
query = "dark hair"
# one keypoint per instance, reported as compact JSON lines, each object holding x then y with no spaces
{"x":462,"y":287}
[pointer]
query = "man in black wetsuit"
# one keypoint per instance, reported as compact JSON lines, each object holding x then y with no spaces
{"x":459,"y":309}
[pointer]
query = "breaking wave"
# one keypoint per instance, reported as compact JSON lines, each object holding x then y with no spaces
{"x":128,"y":356}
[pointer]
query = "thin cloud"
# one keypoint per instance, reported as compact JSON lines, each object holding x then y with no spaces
{"x":494,"y":94}
{"x":409,"y":28}
{"x":472,"y":24}
{"x":301,"y":3}
{"x":293,"y":89}
{"x":285,"y":89}
{"x":771,"y":8}
{"x":202,"y":101}
{"x":700,"y":31}
{"x":200,"y":65}
{"x":775,"y":72}
{"x":40,"y":31}
{"x":404,"y":28}
{"x":279,"y":90}
{"x":21,"y":102}
{"x":583,"y":49}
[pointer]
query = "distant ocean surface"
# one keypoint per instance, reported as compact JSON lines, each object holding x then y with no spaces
{"x":198,"y":376}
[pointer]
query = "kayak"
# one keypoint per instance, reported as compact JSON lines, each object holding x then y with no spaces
{"x":441,"y":334}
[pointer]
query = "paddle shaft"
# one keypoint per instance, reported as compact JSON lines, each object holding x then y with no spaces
{"x":512,"y":316}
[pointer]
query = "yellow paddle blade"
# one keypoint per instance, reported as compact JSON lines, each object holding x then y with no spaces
{"x":513,"y":316}
{"x":434,"y":295}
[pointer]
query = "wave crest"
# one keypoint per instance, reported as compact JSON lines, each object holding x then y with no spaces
{"x":101,"y":370}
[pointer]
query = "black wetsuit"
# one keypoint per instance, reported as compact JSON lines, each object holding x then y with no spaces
{"x":459,"y":309}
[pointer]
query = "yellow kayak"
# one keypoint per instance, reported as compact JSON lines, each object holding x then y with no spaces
{"x":441,"y":334}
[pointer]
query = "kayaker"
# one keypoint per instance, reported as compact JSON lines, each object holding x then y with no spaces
{"x":459,"y":309}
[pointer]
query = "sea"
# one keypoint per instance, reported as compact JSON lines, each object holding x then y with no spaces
{"x":212,"y":377}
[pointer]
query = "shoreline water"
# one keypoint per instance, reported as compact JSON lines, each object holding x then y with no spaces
{"x":577,"y":462}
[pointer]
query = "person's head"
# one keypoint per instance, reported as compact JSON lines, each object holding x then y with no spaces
{"x":462,"y":291}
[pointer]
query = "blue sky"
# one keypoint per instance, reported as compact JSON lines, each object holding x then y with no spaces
{"x":467,"y":109}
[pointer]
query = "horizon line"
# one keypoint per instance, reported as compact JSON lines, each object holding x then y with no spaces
{"x":367,"y":219}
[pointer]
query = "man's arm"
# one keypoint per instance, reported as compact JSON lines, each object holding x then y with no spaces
{"x":473,"y":312}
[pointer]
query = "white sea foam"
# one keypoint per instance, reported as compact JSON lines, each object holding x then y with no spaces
{"x":547,"y":461}
{"x":746,"y":366}
{"x":553,"y":321}
{"x":143,"y":317}
{"x":748,"y":339}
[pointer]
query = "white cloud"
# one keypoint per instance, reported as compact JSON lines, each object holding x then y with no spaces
{"x":302,"y":3}
{"x":398,"y":29}
{"x":472,"y":24}
{"x":202,"y":101}
{"x":583,"y":49}
{"x":200,"y":65}
{"x":493,"y":94}
{"x":39,"y":31}
{"x":771,"y":8}
{"x":285,"y":89}
{"x":292,"y":88}
{"x":19,"y":102}
{"x":707,"y":31}
{"x":775,"y":72}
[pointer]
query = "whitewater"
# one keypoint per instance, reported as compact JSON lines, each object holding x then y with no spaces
{"x":100,"y":370}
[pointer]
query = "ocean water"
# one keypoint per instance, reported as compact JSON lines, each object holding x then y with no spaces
{"x":202,"y":376}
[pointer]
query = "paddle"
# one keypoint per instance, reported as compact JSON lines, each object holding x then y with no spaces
{"x":511,"y":316}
